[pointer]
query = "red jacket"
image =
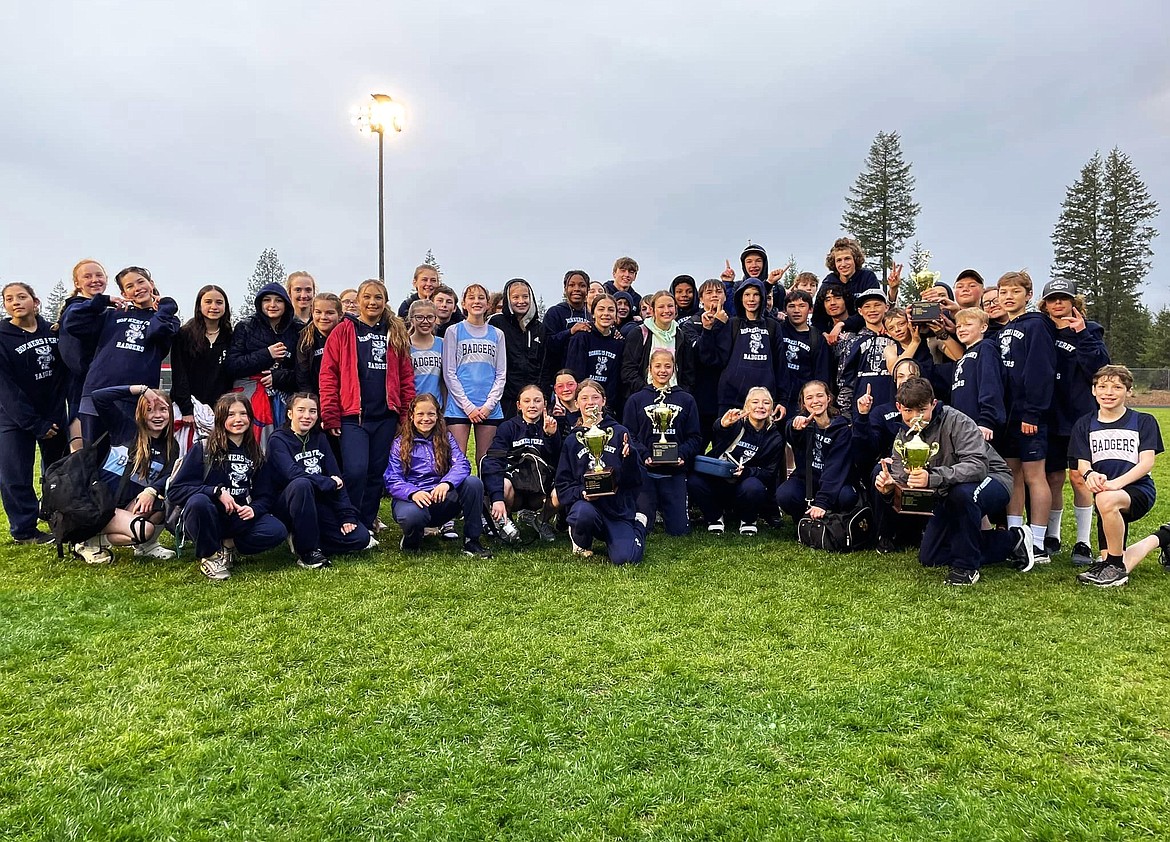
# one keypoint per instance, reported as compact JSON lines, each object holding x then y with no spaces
{"x":341,"y":392}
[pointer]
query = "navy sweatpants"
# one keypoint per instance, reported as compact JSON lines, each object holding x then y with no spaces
{"x":365,"y":452}
{"x":954,"y":535}
{"x":716,"y":497}
{"x":17,"y":490}
{"x":668,"y":493}
{"x":625,"y":541}
{"x":791,"y":500}
{"x":466,"y":500}
{"x":205,"y":522}
{"x":313,"y":522}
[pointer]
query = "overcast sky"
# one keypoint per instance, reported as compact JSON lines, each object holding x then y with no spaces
{"x":542,"y":136}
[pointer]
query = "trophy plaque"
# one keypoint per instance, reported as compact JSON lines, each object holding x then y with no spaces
{"x":662,"y":415}
{"x":915,"y":454}
{"x":924,"y":312}
{"x":598,"y":480}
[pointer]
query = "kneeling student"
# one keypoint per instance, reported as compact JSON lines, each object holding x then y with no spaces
{"x":313,"y":502}
{"x":1115,"y":449}
{"x":430,"y":481}
{"x":822,"y":445}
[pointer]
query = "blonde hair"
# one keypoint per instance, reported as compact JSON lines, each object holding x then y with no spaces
{"x":973,"y":314}
{"x":396,"y":336}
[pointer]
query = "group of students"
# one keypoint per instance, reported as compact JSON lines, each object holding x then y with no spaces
{"x":777,"y":401}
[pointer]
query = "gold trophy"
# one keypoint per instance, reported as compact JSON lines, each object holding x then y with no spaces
{"x":598,"y":480}
{"x":662,"y":415}
{"x":915,"y":453}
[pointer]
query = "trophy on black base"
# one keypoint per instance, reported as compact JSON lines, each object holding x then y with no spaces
{"x":598,"y":480}
{"x":662,"y":415}
{"x":915,"y":454}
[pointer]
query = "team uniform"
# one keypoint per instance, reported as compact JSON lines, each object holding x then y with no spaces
{"x":1114,"y":447}
{"x":594,"y":355}
{"x":1027,"y":351}
{"x":475,"y":372}
{"x":823,"y":460}
{"x":749,"y":352}
{"x":760,"y":452}
{"x":666,"y":486}
{"x":428,"y":369}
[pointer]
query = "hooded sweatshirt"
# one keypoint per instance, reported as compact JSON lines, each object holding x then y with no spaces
{"x":513,"y":438}
{"x":576,"y":460}
{"x":858,"y":282}
{"x":116,"y":406}
{"x":33,"y":379}
{"x":1027,"y":349}
{"x":558,"y":325}
{"x":249,"y":354}
{"x":693,"y":308}
{"x":730,"y":304}
{"x":592,"y":354}
{"x":292,"y":456}
{"x":1078,"y":356}
{"x":826,"y":455}
{"x":806,"y":357}
{"x":635,"y":298}
{"x":525,"y":345}
{"x":248,"y":483}
{"x":684,"y":431}
{"x":977,"y":385}
{"x":760,"y":451}
{"x":749,"y":352}
{"x":864,"y":367}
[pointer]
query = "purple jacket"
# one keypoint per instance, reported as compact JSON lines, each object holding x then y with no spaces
{"x":422,"y":476}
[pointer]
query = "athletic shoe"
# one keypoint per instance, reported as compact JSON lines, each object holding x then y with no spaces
{"x":153,"y":549}
{"x":748,"y":529}
{"x":774,"y":520}
{"x":230,"y":557}
{"x":92,"y":551}
{"x":214,"y":568}
{"x":885,"y":545}
{"x":715,"y":527}
{"x":1040,"y":555}
{"x":961,"y":577}
{"x":1104,"y":574}
{"x":1163,"y":533}
{"x":36,"y":538}
{"x":1022,"y":557}
{"x":545,"y":531}
{"x":1051,"y":545}
{"x":373,"y":545}
{"x":448,"y":531}
{"x":410,"y":546}
{"x":581,"y":552}
{"x":1082,"y":555}
{"x":378,"y":525}
{"x":315,"y":560}
{"x":473,"y":547}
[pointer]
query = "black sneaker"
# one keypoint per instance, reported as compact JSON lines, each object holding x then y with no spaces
{"x":1039,"y":554}
{"x":1104,"y":574}
{"x":885,"y":545}
{"x":1051,"y":545}
{"x":313,"y":561}
{"x":473,"y":547}
{"x":37,"y":538}
{"x":961,"y":577}
{"x":1022,"y":558}
{"x":410,"y":546}
{"x":545,"y":531}
{"x":1082,"y":555}
{"x":1163,"y":533}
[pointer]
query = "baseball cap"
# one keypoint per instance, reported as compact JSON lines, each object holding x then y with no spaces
{"x":865,"y":295}
{"x":1059,"y":287}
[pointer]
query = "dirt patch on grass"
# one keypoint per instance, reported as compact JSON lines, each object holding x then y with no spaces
{"x":1155,"y":397}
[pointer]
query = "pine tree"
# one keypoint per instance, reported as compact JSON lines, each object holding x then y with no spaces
{"x":269,"y":270}
{"x":918,"y":261}
{"x":1156,"y":353}
{"x":1102,"y":241}
{"x":793,"y":270}
{"x":57,"y":297}
{"x":880,"y":210}
{"x":429,"y":260}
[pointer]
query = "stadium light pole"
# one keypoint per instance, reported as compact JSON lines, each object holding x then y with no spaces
{"x":376,"y":116}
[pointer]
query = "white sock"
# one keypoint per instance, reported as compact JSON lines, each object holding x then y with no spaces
{"x":1015,"y":520}
{"x":1084,"y":516}
{"x":1038,"y":533}
{"x":1054,"y":518}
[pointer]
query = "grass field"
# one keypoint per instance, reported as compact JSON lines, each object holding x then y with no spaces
{"x":725,"y":689}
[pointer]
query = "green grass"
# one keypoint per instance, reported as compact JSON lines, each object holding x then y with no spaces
{"x":725,"y":689}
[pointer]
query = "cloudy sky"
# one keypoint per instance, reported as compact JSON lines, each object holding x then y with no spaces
{"x":187,"y":137}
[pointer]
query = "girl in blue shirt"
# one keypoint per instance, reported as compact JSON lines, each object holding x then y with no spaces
{"x":474,"y":370}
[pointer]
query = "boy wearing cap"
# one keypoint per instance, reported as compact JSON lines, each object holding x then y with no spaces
{"x":1080,"y":353}
{"x":754,"y":261}
{"x":864,"y":370}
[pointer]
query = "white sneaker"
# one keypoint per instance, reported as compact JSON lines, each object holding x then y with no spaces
{"x":153,"y":549}
{"x":373,"y":545}
{"x":215,"y":568}
{"x":747,"y":529}
{"x":578,"y":550}
{"x":715,"y":527}
{"x":448,"y":531}
{"x":92,"y":551}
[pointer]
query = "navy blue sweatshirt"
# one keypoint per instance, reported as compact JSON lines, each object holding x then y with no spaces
{"x":865,"y":367}
{"x":806,"y":357}
{"x":76,"y":351}
{"x":576,"y":461}
{"x":591,"y":354}
{"x":761,"y":452}
{"x":873,"y":435}
{"x":828,"y":456}
{"x":131,"y":343}
{"x":684,"y":432}
{"x":308,"y":363}
{"x":977,"y":385}
{"x":1027,"y":349}
{"x":558,"y":322}
{"x":513,"y":438}
{"x":635,"y":298}
{"x":116,"y":405}
{"x":290,"y":457}
{"x":248,"y":484}
{"x":33,"y":379}
{"x":860,"y":281}
{"x":1078,"y":356}
{"x":749,"y":352}
{"x":249,"y":355}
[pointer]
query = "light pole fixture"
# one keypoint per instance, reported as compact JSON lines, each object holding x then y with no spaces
{"x":378,"y":115}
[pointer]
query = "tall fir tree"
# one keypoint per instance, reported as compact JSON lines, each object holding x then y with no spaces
{"x":269,"y":270}
{"x":880,"y":210}
{"x":918,"y":261}
{"x":57,"y":297}
{"x":429,"y":260}
{"x":793,"y":270}
{"x":1102,"y":242}
{"x":1156,"y":353}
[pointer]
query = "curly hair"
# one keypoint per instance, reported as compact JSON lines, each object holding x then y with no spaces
{"x":438,"y":435}
{"x":845,"y":244}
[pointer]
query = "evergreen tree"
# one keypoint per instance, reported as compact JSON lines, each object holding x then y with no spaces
{"x":57,"y":297}
{"x":269,"y":270}
{"x":793,"y":270}
{"x":880,"y":210}
{"x":918,"y":261}
{"x":1102,"y":242}
{"x":429,"y":260}
{"x":1156,"y":353}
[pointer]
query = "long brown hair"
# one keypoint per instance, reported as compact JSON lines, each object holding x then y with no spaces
{"x":140,"y":456}
{"x":218,"y":441}
{"x":438,"y":435}
{"x":309,"y":333}
{"x":194,"y":332}
{"x":396,"y":336}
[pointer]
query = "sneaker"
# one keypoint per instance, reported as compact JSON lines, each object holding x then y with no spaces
{"x":545,"y":531}
{"x":1040,"y":555}
{"x":961,"y":577}
{"x":1082,"y":554}
{"x":715,"y":527}
{"x":748,"y":529}
{"x":373,"y":545}
{"x":153,"y":549}
{"x":1163,"y":533}
{"x":92,"y":552}
{"x":885,"y":545}
{"x":313,"y":561}
{"x":473,"y":547}
{"x":36,"y":538}
{"x":578,"y":550}
{"x":774,"y":520}
{"x":1051,"y":545}
{"x":410,"y":546}
{"x":448,"y":531}
{"x":1104,"y":574}
{"x":1022,"y":557}
{"x":230,"y":557}
{"x":214,"y":568}
{"x":377,"y":526}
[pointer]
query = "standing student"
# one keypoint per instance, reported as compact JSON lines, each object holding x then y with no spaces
{"x":1115,"y":449}
{"x":754,"y":261}
{"x":596,"y":290}
{"x":133,"y":337}
{"x":829,"y":312}
{"x":426,"y":349}
{"x":806,"y":354}
{"x":977,"y":376}
{"x":846,"y":264}
{"x":348,"y":299}
{"x":997,"y":318}
{"x":660,"y":331}
{"x":429,"y":479}
{"x":748,"y":348}
{"x":806,"y":281}
{"x":33,"y":386}
{"x":225,"y":490}
{"x":822,"y":447}
{"x":1027,"y":349}
{"x":626,"y":311}
{"x":77,"y":352}
{"x":613,"y":519}
{"x":706,"y":384}
{"x":686,"y":296}
{"x":474,"y":372}
{"x":326,"y":313}
{"x":301,"y":289}
{"x":367,"y":381}
{"x":596,"y":354}
{"x":312,"y":499}
{"x":448,"y":311}
{"x":864,"y":369}
{"x":525,"y":339}
{"x":426,"y":286}
{"x":625,"y":272}
{"x":197,"y":356}
{"x":566,"y":318}
{"x":665,"y":488}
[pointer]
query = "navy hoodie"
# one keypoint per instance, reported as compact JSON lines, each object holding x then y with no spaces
{"x":600,"y":357}
{"x":76,"y":351}
{"x":750,"y":353}
{"x":684,"y":432}
{"x":248,"y":484}
{"x":860,"y":281}
{"x":873,"y":435}
{"x":730,"y":288}
{"x":806,"y":357}
{"x":828,"y":456}
{"x":249,"y":355}
{"x":576,"y":460}
{"x":290,"y":457}
{"x":865,"y":367}
{"x":131,"y":343}
{"x":635,"y":298}
{"x":761,"y":452}
{"x":525,"y":345}
{"x":116,"y":406}
{"x":977,"y":385}
{"x":685,"y":312}
{"x":1027,"y":349}
{"x":33,"y":379}
{"x":513,"y":438}
{"x":1078,"y":356}
{"x":558,"y":322}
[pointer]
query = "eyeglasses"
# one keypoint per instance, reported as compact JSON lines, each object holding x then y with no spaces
{"x":424,"y":318}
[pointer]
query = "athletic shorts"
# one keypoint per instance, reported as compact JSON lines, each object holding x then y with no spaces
{"x":1140,"y":503}
{"x":489,"y":422}
{"x":1056,"y":459}
{"x":1016,"y":445}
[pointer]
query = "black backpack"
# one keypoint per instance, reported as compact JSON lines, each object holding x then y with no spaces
{"x":75,"y":501}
